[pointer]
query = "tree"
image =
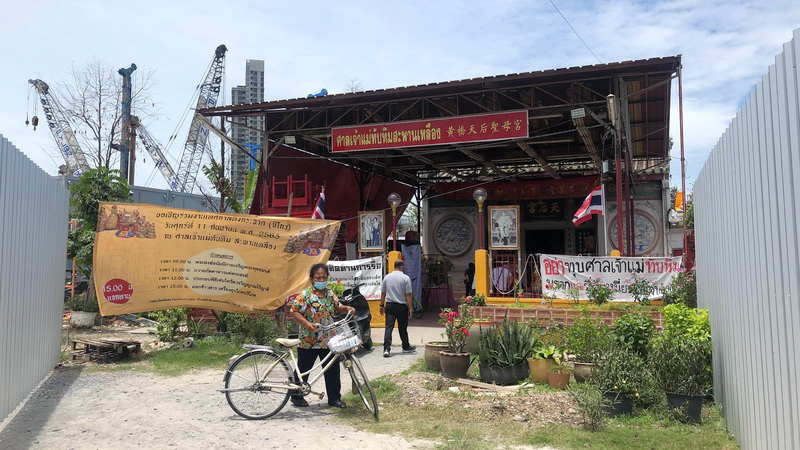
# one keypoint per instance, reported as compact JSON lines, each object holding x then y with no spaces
{"x":354,"y":85}
{"x":95,"y":186}
{"x":92,"y":100}
{"x":224,"y":187}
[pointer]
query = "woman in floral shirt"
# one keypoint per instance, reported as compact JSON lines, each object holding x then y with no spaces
{"x":317,"y":304}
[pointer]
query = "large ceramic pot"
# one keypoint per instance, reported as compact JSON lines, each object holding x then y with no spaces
{"x":504,"y":376}
{"x":82,"y":319}
{"x":454,"y":365}
{"x":619,"y":404}
{"x":432,"y":350}
{"x":582,"y":371}
{"x":539,"y":368}
{"x":472,"y":343}
{"x":558,"y":380}
{"x":689,"y":406}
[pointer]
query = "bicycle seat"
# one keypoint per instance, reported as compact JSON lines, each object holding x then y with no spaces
{"x":288,"y":342}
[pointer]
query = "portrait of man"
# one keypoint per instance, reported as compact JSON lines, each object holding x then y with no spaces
{"x":503,"y":227}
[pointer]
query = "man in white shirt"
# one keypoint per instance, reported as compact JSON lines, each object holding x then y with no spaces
{"x":501,"y":278}
{"x":396,"y":306}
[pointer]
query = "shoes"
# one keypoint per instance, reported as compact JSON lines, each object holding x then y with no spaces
{"x":410,"y":349}
{"x":338,"y":404}
{"x":299,"y":402}
{"x":386,"y":353}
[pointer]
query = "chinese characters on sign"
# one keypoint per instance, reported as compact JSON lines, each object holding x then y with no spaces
{"x":475,"y":128}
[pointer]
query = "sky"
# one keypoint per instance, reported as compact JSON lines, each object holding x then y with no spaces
{"x":726,"y":46}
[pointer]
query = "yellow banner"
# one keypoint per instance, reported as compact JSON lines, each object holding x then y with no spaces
{"x":149,"y":257}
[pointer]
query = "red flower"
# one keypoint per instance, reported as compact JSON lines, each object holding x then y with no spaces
{"x":465,"y":331}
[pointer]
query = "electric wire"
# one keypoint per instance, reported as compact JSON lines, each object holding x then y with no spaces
{"x":576,"y":33}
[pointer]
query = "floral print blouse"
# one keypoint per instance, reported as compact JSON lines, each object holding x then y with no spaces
{"x":316,"y":310}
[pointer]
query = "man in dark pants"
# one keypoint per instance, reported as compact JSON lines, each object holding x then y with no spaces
{"x":396,"y":305}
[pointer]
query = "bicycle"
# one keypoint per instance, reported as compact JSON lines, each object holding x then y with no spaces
{"x":258,"y":384}
{"x":417,"y":309}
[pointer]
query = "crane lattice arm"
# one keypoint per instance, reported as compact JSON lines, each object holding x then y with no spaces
{"x":156,"y":154}
{"x":197,"y":141}
{"x":62,"y":131}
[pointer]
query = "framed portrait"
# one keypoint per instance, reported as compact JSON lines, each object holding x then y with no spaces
{"x":503,"y":227}
{"x":371,"y":231}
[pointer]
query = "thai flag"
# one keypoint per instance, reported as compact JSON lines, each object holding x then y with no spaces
{"x":593,"y":204}
{"x":319,"y":210}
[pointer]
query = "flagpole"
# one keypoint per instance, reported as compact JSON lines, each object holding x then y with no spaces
{"x":605,"y":220}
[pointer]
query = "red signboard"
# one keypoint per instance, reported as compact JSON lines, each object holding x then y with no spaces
{"x":416,"y":133}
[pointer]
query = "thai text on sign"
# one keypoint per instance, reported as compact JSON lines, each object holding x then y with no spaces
{"x":148,"y":258}
{"x":415,"y":133}
{"x":560,"y":273}
{"x":370,"y":279}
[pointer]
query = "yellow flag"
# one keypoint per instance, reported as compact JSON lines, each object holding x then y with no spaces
{"x":150,"y":257}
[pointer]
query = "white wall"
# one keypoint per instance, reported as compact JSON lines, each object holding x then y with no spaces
{"x":747,"y":220}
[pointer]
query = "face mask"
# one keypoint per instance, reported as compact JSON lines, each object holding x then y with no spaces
{"x":320,"y":285}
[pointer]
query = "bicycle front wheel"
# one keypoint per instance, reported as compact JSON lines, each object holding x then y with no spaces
{"x":361,"y":384}
{"x":250,"y":381}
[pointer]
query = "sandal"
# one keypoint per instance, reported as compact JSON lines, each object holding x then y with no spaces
{"x":338,"y":404}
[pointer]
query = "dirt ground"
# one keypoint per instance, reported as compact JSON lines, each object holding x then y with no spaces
{"x":78,"y":407}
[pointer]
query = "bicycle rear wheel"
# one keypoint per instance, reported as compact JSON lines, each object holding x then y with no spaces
{"x":244,"y":384}
{"x":361,"y":384}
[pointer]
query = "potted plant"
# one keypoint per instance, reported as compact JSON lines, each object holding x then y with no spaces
{"x":455,"y":361}
{"x":84,"y":311}
{"x":558,"y":374}
{"x":478,"y":324}
{"x":541,"y":361}
{"x":503,"y":353}
{"x":624,"y":378}
{"x":586,"y":339}
{"x":195,"y":327}
{"x":682,"y":367}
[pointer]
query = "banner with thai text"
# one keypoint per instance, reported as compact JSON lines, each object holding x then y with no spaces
{"x":369,"y":280}
{"x":416,"y":133}
{"x":565,"y":277}
{"x":148,"y":258}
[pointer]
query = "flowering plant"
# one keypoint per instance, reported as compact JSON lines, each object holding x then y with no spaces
{"x":640,"y":288}
{"x":474,"y":300}
{"x":598,"y":292}
{"x":682,"y":289}
{"x":456,"y":328}
{"x":336,"y":286}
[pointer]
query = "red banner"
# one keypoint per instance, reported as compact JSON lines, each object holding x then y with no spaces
{"x":417,"y":133}
{"x":523,"y":190}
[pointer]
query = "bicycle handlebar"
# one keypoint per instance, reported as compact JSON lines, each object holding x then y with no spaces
{"x":322,"y":327}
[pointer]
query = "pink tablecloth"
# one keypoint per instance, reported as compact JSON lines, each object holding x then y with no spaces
{"x":439,"y":296}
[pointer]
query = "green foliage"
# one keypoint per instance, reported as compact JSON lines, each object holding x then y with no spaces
{"x":591,"y":404}
{"x":587,"y":337}
{"x":634,"y":331}
{"x":169,"y":320}
{"x":682,"y":364}
{"x":224,"y":187}
{"x":640,"y":288}
{"x":474,"y":300}
{"x":560,"y":365}
{"x":94,"y":186}
{"x":597,"y":291}
{"x":456,"y":328}
{"x":506,"y":345}
{"x":681,"y":320}
{"x":626,"y":373}
{"x":81,"y":303}
{"x":211,"y":352}
{"x":542,"y":351}
{"x":555,"y":335}
{"x":195,"y":326}
{"x":262,"y":329}
{"x":682,"y":289}
{"x":336,"y":286}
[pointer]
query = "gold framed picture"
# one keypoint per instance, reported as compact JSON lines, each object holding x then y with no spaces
{"x":371,"y":231}
{"x":503,"y":227}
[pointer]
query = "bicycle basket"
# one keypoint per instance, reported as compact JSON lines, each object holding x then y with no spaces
{"x":343,"y":338}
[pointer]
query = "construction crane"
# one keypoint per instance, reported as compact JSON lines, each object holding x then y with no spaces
{"x":60,"y":128}
{"x":197,"y":141}
{"x":152,"y":147}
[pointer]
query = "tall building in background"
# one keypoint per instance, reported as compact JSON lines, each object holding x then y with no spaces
{"x":247,"y":136}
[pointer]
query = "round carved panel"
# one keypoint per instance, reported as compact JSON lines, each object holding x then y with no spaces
{"x":453,"y":236}
{"x":646,"y":232}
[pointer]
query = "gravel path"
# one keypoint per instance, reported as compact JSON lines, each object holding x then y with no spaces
{"x":80,"y":409}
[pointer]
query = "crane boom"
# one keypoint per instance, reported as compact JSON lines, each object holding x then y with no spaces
{"x":60,"y":128}
{"x":197,"y":141}
{"x":156,"y":154}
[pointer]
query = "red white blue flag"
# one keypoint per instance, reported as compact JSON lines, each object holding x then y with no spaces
{"x":319,"y":210}
{"x":594,"y":204}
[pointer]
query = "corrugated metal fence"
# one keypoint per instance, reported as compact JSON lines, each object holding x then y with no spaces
{"x":747,"y":201}
{"x":33,"y":242}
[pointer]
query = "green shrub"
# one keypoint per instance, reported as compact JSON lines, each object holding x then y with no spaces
{"x":633,"y":331}
{"x":682,"y":364}
{"x":169,"y":320}
{"x":82,"y":303}
{"x":506,"y":345}
{"x":587,"y":337}
{"x":591,"y":404}
{"x":680,"y":320}
{"x":626,"y":373}
{"x":682,"y":289}
{"x":262,"y":329}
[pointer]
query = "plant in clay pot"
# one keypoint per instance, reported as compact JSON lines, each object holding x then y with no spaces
{"x":558,"y":374}
{"x":454,"y":361}
{"x":504,"y":350}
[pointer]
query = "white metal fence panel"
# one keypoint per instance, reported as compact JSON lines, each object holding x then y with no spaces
{"x":747,"y":203}
{"x":33,"y":232}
